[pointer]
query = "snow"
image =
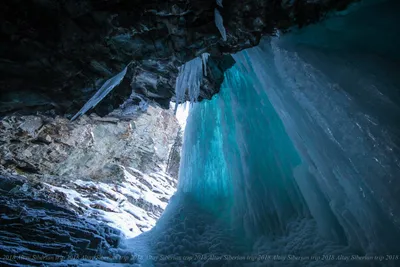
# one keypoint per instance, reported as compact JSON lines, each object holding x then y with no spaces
{"x":149,"y":197}
{"x":107,"y":87}
{"x":118,"y":204}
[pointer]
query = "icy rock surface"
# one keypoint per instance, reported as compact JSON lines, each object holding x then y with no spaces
{"x":38,"y":228}
{"x":132,"y":206}
{"x":112,"y":169}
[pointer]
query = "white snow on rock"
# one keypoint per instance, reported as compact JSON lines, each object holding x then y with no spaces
{"x":131,"y":206}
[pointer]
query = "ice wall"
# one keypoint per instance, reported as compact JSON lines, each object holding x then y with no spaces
{"x":298,"y":156}
{"x":338,"y":98}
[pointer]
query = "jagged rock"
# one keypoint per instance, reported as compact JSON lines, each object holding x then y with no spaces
{"x":55,"y":54}
{"x":111,"y":169}
{"x":39,"y":228}
{"x":79,"y":177}
{"x":89,"y":148}
{"x":174,"y":158}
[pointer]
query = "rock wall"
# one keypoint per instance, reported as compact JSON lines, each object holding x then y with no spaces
{"x":56,"y":54}
{"x":174,"y":158}
{"x":83,"y":185}
{"x":38,"y":228}
{"x":90,"y":148}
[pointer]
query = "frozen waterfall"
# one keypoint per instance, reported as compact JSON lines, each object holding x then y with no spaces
{"x":296,"y":162}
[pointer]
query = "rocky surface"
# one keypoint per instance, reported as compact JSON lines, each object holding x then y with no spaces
{"x":91,"y":148}
{"x":175,"y":156}
{"x":56,"y":54}
{"x":38,"y":228}
{"x":91,"y":182}
{"x":132,"y":205}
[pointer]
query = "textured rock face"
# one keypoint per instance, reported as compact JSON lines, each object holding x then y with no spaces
{"x":175,"y":156}
{"x":56,"y":54}
{"x":56,"y":174}
{"x":90,"y":148}
{"x":38,"y":228}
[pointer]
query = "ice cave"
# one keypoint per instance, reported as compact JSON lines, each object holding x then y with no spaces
{"x":200,"y":133}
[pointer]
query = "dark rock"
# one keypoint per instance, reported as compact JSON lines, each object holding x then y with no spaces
{"x":54,"y":55}
{"x":174,"y":157}
{"x":37,"y":228}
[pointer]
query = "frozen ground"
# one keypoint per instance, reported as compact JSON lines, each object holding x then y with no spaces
{"x":131,"y":206}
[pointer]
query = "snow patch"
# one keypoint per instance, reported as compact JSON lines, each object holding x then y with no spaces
{"x":132,"y":206}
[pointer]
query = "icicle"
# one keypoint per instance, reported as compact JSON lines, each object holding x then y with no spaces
{"x":180,"y":86}
{"x":189,"y":78}
{"x":101,"y":93}
{"x":219,"y":2}
{"x":196,"y":74}
{"x":204,"y":58}
{"x":219,"y":22}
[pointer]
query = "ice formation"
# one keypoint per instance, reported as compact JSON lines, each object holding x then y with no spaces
{"x":107,"y":87}
{"x":204,"y":58}
{"x":219,"y":22}
{"x":189,"y":79}
{"x":131,"y":106}
{"x":296,"y":161}
{"x":181,"y":114}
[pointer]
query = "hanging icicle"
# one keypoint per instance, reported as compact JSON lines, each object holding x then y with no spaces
{"x":219,"y":22}
{"x":204,"y":58}
{"x":101,"y":93}
{"x":189,"y":79}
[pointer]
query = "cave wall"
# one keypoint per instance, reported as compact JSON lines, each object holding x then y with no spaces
{"x":71,"y":192}
{"x":56,"y":54}
{"x":39,"y":227}
{"x":90,"y":148}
